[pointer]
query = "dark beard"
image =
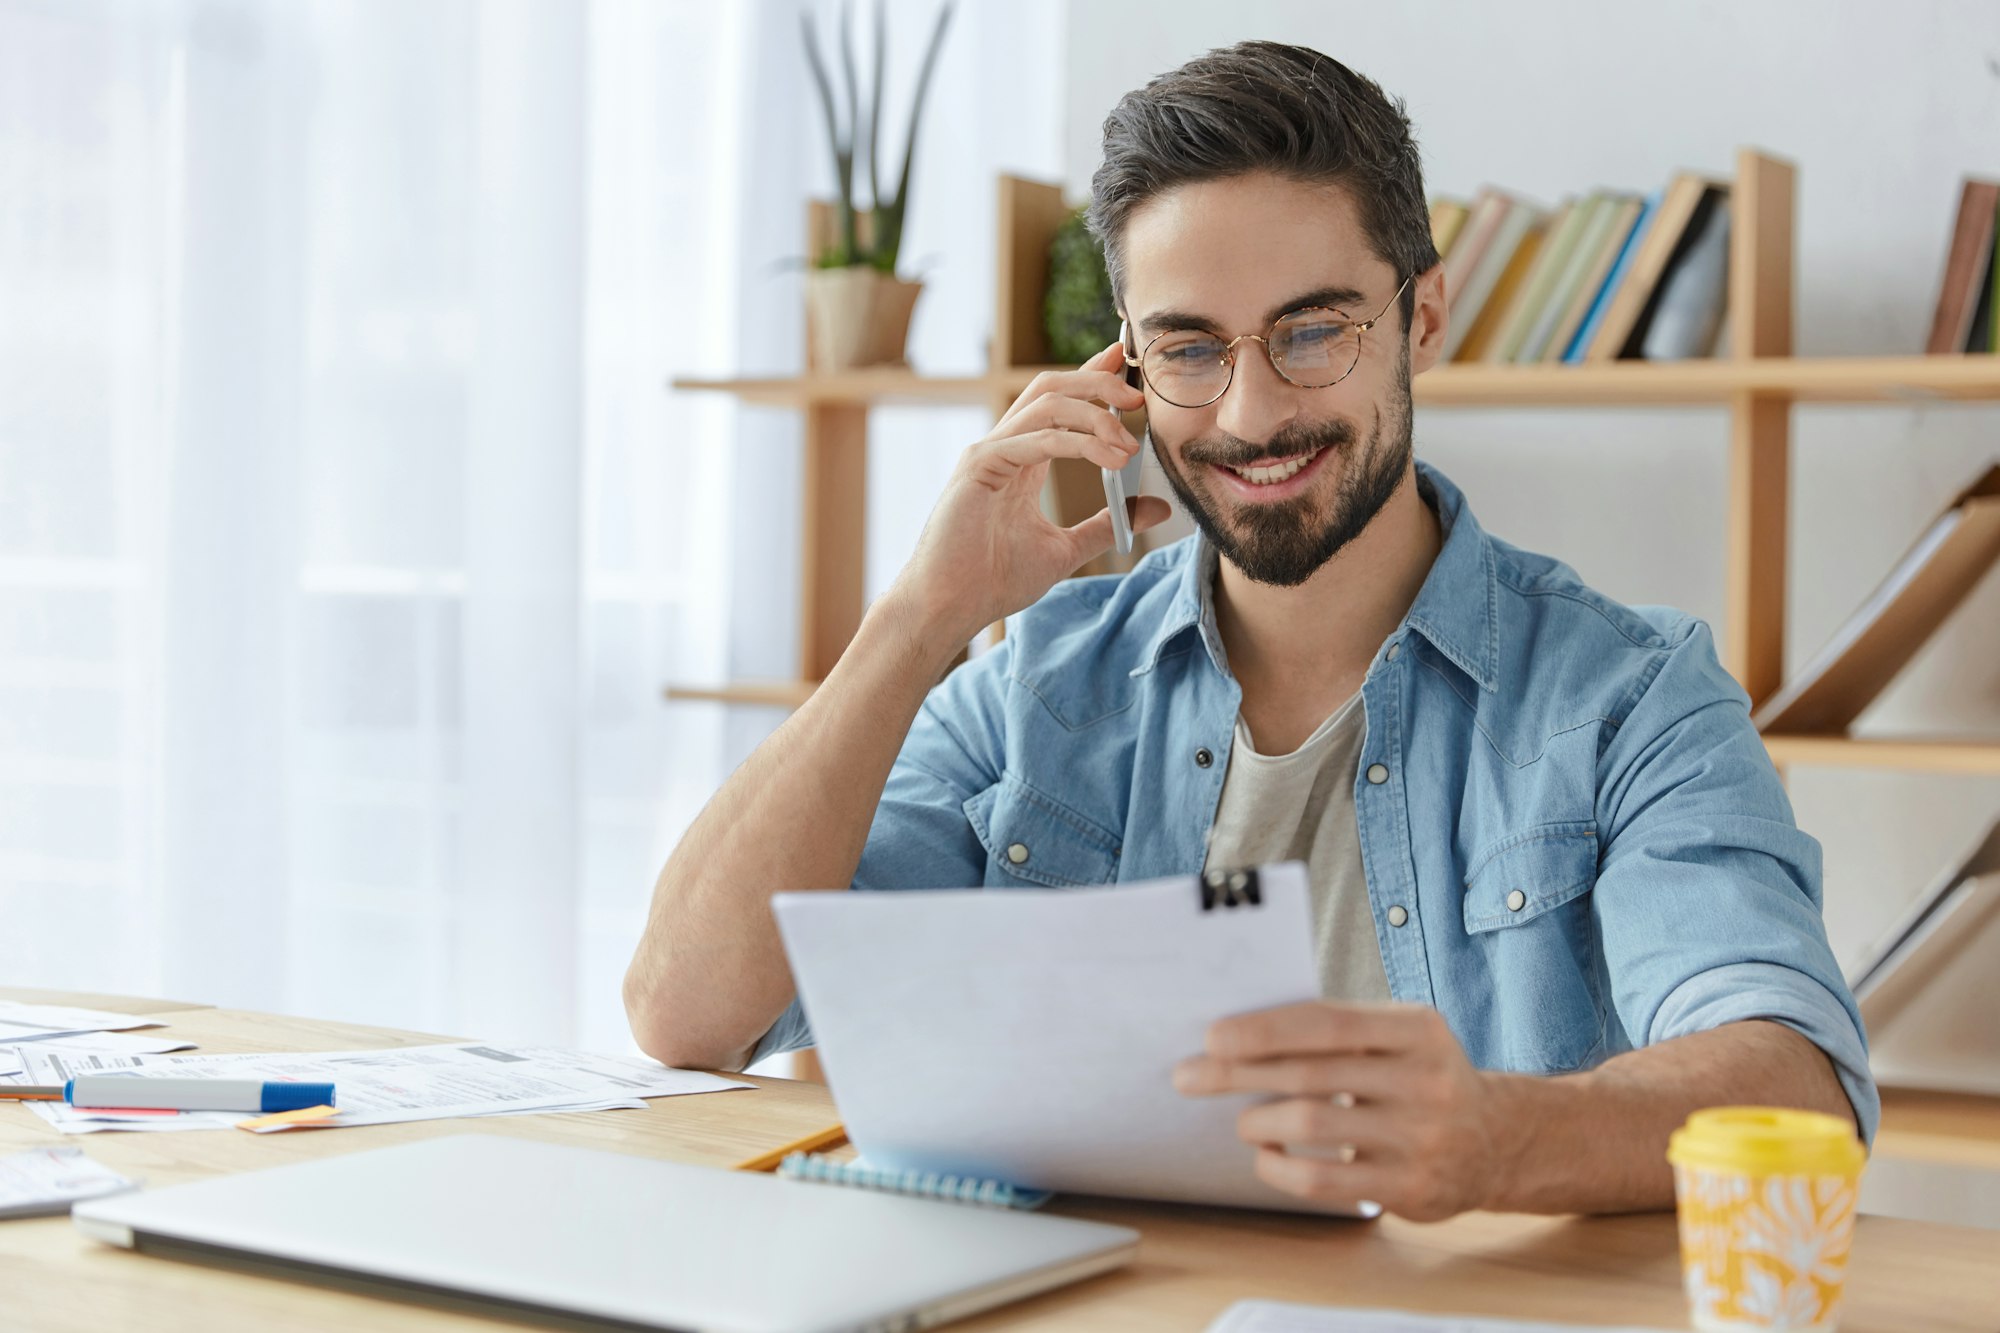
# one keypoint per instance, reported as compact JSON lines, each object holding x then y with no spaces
{"x":1277,"y":543}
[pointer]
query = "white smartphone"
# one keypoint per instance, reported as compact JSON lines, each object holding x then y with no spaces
{"x":1122,"y":484}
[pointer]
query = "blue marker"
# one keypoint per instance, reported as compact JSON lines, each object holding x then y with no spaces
{"x":143,"y":1092}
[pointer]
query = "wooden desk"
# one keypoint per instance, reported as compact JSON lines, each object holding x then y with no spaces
{"x":1193,"y":1261}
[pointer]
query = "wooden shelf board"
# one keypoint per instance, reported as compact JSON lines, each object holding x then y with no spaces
{"x":1915,"y":754}
{"x":1957,"y":1127}
{"x":768,"y":693}
{"x":1831,"y":379}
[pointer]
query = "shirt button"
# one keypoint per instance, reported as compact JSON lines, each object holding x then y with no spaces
{"x":1397,"y":916}
{"x":1378,"y":774}
{"x":1516,"y":901}
{"x":1018,"y":852}
{"x":1395,"y":651}
{"x":1202,"y":758}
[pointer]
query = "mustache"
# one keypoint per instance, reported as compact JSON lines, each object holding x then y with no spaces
{"x":1229,"y":451}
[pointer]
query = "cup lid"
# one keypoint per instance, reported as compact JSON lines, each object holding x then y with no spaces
{"x":1767,"y":1141}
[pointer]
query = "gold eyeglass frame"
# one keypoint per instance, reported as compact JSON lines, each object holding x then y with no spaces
{"x":1229,"y":351}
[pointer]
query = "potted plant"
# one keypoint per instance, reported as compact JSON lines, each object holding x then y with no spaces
{"x":857,"y":309}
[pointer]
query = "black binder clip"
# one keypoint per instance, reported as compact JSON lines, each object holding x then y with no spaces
{"x":1230,"y":888}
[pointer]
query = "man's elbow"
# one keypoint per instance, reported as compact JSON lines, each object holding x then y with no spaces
{"x":671,"y":1043}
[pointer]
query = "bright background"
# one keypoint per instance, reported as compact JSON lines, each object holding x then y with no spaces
{"x":348,"y":531}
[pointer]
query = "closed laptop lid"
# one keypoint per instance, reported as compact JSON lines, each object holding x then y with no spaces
{"x":613,"y":1238}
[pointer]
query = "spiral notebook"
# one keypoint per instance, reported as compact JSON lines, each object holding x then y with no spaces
{"x":920,"y":1184}
{"x":1028,"y":1036}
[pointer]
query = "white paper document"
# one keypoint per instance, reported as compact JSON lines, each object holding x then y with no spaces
{"x":381,"y":1087}
{"x":95,"y":1043}
{"x":42,"y":1181}
{"x":1278,"y":1317}
{"x":36,"y":1022}
{"x":1030,"y":1035}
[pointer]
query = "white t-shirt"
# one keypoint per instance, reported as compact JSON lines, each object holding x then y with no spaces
{"x":1300,"y":807}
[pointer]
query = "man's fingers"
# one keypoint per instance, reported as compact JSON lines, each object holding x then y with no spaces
{"x":1077,"y":415}
{"x":1318,"y":1027}
{"x":1369,"y":1077}
{"x":1149,"y":511}
{"x":1101,"y":378}
{"x":1327,"y":1179}
{"x":1316,"y":1122}
{"x":1041,"y":446}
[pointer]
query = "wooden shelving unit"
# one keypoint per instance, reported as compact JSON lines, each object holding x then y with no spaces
{"x":1757,"y":385}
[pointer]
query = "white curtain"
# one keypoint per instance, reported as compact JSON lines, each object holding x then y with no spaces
{"x":348,"y":532}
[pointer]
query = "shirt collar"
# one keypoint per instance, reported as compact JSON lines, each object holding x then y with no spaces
{"x":1456,"y":609}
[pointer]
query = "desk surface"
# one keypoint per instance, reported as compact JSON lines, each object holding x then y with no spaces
{"x":1193,"y":1262}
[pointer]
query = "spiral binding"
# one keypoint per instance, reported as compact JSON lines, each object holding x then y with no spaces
{"x":1230,"y":888}
{"x":919,"y":1184}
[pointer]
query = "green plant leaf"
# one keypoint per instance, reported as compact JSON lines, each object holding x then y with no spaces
{"x":891,"y":242}
{"x":1078,"y":311}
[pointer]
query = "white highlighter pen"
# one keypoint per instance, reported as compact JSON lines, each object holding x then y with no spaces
{"x":126,"y":1092}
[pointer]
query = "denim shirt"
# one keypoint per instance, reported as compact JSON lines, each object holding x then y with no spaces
{"x":1574,"y":841}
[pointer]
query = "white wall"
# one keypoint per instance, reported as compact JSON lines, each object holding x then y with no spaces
{"x":1882,"y":109}
{"x":995,"y":105}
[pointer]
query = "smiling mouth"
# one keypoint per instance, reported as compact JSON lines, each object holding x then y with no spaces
{"x":1270,"y":474}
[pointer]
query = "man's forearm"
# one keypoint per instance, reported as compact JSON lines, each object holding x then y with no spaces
{"x":709,"y":974}
{"x":1596,"y":1142}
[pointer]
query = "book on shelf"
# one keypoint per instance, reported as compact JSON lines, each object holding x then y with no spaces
{"x":1687,"y":202}
{"x":1522,"y":256}
{"x":1922,"y":590}
{"x":1487,"y":210}
{"x":1966,"y":307}
{"x":1511,"y":315}
{"x":1649,"y":210}
{"x":1447,"y":216}
{"x":1688,"y":317}
{"x":1563,"y":306}
{"x":1928,"y":987}
{"x":1485,"y":254}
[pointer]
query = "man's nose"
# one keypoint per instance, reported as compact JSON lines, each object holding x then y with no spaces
{"x":1259,"y":401}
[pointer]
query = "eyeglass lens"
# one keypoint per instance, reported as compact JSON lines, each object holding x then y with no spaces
{"x":1311,"y":348}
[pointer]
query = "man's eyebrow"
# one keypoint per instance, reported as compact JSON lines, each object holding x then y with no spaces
{"x":1343,"y":298}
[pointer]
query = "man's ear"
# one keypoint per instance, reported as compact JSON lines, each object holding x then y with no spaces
{"x":1428,"y":319}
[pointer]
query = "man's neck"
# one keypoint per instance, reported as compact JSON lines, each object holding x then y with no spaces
{"x":1298,"y":653}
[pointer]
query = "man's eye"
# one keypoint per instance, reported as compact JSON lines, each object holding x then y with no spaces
{"x":1318,"y":335}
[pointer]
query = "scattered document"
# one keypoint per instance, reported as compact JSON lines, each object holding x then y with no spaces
{"x":1278,"y":1317}
{"x":93,"y":1043}
{"x":38,"y":1022}
{"x":42,"y":1181}
{"x":382,"y":1087}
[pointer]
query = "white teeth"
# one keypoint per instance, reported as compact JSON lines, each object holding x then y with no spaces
{"x":1265,"y":476}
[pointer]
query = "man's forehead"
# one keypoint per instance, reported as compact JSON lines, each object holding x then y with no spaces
{"x":1237,"y":253}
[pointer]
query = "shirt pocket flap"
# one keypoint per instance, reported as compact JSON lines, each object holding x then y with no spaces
{"x":1032,"y":837}
{"x":1530,"y":873}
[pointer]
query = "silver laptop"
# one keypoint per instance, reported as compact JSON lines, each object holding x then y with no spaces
{"x":585,"y":1239}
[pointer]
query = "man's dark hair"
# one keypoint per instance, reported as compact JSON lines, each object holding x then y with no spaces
{"x":1266,"y":106}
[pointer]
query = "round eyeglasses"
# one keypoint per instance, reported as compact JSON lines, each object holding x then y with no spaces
{"x":1315,"y":347}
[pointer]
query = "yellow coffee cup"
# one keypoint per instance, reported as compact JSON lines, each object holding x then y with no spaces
{"x":1766,"y":1201}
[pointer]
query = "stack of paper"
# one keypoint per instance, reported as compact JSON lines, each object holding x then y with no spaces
{"x":75,"y":1030}
{"x":381,"y":1087}
{"x":41,"y":1181}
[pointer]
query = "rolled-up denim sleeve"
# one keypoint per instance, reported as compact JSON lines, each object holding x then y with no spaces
{"x":1708,"y":896}
{"x":921,"y":838}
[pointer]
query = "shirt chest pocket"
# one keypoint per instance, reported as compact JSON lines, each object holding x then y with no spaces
{"x":1530,"y":874}
{"x":1032,"y":838}
{"x":1528,"y":919}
